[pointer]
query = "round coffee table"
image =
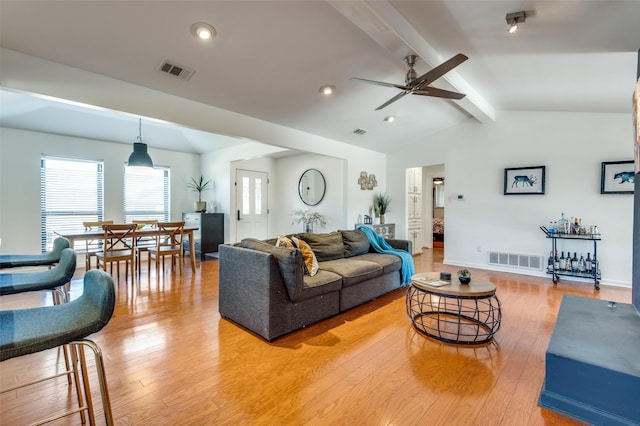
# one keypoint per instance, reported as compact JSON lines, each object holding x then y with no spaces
{"x":467,"y":314}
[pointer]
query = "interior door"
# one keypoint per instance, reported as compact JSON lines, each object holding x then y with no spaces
{"x":252,"y":204}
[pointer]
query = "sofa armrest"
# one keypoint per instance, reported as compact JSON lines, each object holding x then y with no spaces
{"x":252,"y":292}
{"x":401,"y":244}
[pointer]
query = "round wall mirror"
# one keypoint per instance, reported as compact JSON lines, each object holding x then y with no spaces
{"x":311,"y":187}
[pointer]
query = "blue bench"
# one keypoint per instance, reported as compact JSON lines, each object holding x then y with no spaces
{"x":46,"y":259}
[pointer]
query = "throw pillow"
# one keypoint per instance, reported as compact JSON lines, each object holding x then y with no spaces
{"x":325,"y":246}
{"x":284,"y":242}
{"x":310,"y":261}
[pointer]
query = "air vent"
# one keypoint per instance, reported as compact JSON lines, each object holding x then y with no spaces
{"x":359,"y":131}
{"x":516,"y":260}
{"x":176,"y":70}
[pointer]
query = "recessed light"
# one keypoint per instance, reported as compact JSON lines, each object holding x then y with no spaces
{"x":389,"y":118}
{"x":203,"y":31}
{"x":327,"y":89}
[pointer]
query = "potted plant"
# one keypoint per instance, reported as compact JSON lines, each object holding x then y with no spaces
{"x":464,"y":276}
{"x":199,"y":186}
{"x":381,"y":203}
{"x":308,"y":218}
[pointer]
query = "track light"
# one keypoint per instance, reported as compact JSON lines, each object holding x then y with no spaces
{"x":139,"y":157}
{"x":513,"y":19}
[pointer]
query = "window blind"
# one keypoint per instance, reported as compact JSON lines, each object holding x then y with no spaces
{"x":146,"y":193}
{"x":71,"y":192}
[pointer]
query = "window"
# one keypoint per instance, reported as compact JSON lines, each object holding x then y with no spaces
{"x":71,"y":192}
{"x":146,"y":193}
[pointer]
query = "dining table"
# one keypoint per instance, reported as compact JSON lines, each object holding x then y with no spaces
{"x":143,"y":232}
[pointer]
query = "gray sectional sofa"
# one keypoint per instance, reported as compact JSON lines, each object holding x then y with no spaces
{"x":264,"y":288}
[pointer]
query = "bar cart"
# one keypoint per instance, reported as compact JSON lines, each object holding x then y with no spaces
{"x":594,"y":274}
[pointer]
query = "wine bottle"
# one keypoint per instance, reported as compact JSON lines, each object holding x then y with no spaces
{"x":550,"y":262}
{"x":562,"y":265}
{"x":581,"y":266}
{"x":574,"y":262}
{"x":556,"y":261}
{"x":588,"y":264}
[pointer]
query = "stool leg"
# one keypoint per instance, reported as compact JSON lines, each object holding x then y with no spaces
{"x":102,"y":379}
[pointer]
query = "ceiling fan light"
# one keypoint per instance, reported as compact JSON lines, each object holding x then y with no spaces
{"x":513,"y":19}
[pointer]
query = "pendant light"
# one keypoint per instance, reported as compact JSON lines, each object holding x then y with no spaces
{"x":139,"y":156}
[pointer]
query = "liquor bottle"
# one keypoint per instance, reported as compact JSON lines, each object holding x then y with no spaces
{"x":556,"y":261}
{"x":562,"y":265}
{"x":574,"y":262}
{"x":581,"y":266}
{"x":562,"y":224}
{"x":588,"y":264}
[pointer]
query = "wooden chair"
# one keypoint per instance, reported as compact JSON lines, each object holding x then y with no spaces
{"x":169,"y":243}
{"x":119,"y":244}
{"x":143,"y":243}
{"x":93,"y":246}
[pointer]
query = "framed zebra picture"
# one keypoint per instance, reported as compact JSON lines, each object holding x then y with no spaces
{"x":617,"y":177}
{"x":524,"y":180}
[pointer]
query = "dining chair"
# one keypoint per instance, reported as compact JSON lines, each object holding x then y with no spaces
{"x":168,"y":243}
{"x":143,"y":243}
{"x":95,"y":245}
{"x":119,"y":244}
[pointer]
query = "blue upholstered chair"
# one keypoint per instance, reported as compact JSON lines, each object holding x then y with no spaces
{"x":47,"y":259}
{"x":26,"y":331}
{"x":52,"y":279}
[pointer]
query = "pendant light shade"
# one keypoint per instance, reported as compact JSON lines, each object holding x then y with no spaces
{"x":139,"y":157}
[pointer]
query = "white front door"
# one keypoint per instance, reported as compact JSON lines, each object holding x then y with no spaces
{"x":252,"y":204}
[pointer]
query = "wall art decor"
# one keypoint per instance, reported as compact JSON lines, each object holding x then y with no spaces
{"x":617,"y":177}
{"x":524,"y":180}
{"x":367,"y":182}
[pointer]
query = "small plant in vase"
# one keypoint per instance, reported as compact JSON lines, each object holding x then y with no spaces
{"x":308,"y":218}
{"x":381,"y":202}
{"x":199,"y":186}
{"x":464,"y":276}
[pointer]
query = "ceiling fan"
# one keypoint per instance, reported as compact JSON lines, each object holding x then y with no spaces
{"x":420,"y":85}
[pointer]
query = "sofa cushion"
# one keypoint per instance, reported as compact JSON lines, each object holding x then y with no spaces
{"x":389,"y":262}
{"x":355,"y":243}
{"x":321,"y":283}
{"x":289,"y":262}
{"x":325,"y":246}
{"x":352,"y":270}
{"x":310,"y":261}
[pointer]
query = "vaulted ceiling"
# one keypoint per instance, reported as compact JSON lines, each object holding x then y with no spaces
{"x":270,"y":58}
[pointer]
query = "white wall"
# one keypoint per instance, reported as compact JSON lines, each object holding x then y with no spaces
{"x":570,"y":145}
{"x":20,"y":153}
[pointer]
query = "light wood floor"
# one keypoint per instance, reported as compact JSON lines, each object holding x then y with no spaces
{"x":171,"y":360}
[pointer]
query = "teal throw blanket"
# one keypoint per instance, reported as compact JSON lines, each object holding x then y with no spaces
{"x":381,"y":246}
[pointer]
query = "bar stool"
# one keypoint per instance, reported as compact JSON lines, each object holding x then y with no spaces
{"x":46,"y":259}
{"x":26,"y":331}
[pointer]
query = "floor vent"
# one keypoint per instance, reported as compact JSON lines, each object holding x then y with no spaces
{"x":516,"y":260}
{"x":176,"y":70}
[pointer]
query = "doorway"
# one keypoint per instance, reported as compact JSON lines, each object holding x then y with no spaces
{"x":252,"y":204}
{"x":438,"y":212}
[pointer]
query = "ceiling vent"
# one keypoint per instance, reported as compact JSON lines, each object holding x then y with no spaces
{"x":176,"y":70}
{"x":359,"y":131}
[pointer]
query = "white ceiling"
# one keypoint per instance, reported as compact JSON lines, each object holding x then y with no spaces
{"x":271,"y":57}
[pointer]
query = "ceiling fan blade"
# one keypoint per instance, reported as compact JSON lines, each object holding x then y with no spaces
{"x":439,"y":93}
{"x":430,"y":76}
{"x":390,"y":101}
{"x":380,"y":83}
